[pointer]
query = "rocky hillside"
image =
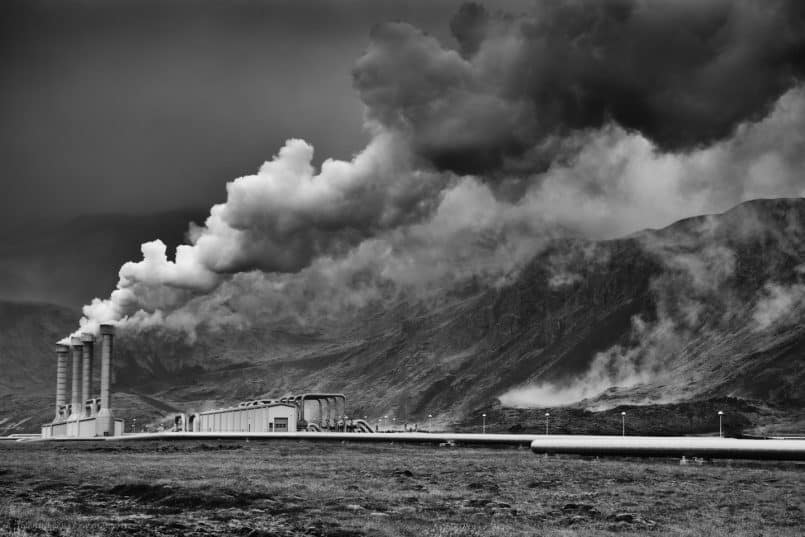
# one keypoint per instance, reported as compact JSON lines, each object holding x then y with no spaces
{"x":667,"y":323}
{"x":27,"y":389}
{"x":709,"y":307}
{"x":27,"y":334}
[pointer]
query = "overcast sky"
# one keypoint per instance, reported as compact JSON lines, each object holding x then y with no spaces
{"x":144,"y":106}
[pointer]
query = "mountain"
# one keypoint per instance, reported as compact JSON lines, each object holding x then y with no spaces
{"x":669,"y":325}
{"x":27,"y":382}
{"x":27,"y":334}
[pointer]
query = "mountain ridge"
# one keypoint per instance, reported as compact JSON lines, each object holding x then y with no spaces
{"x":707,"y":308}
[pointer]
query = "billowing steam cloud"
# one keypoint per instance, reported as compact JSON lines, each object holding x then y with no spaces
{"x":779,"y":304}
{"x":587,"y":118}
{"x":278,"y":220}
{"x":618,"y":367}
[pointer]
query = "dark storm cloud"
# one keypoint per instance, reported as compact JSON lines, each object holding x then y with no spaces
{"x":469,"y":26}
{"x":682,"y":73}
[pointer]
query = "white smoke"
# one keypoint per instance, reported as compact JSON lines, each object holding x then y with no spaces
{"x":308,"y":245}
{"x":778,"y":304}
{"x":617,"y":367}
{"x":278,"y":220}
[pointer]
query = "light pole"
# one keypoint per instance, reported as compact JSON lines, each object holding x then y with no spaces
{"x":345,"y":423}
{"x":483,"y":427}
{"x":547,"y":415}
{"x":623,"y":423}
{"x":385,"y":423}
{"x":134,"y":425}
{"x":429,"y":418}
{"x":394,"y":423}
{"x":720,"y":430}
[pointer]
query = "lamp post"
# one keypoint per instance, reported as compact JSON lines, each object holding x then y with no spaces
{"x":385,"y":423}
{"x":547,"y":416}
{"x":483,"y":427}
{"x":394,"y":423}
{"x":345,"y":423}
{"x":429,"y":418}
{"x":720,"y":430}
{"x":623,"y":423}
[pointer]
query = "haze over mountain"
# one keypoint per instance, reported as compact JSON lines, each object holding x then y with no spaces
{"x":709,"y":307}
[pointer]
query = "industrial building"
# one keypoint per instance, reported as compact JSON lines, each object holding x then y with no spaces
{"x":260,"y":417}
{"x":307,"y":412}
{"x":84,"y":416}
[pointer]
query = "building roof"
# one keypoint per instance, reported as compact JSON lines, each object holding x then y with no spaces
{"x":253,"y":405}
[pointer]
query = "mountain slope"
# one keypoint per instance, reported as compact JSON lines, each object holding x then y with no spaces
{"x":664,"y":315}
{"x":27,"y":334}
{"x":707,"y":309}
{"x":27,"y":381}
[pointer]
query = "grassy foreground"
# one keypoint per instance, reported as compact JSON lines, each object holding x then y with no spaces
{"x":300,"y":488}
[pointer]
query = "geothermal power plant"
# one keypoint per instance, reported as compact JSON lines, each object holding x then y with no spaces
{"x":322,"y":417}
{"x":84,"y":416}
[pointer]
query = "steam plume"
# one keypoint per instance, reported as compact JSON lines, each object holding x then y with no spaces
{"x":584,"y":118}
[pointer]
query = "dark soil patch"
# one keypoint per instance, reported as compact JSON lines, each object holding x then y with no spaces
{"x":397,"y":472}
{"x":49,"y":485}
{"x":484,"y":486}
{"x":142,"y":491}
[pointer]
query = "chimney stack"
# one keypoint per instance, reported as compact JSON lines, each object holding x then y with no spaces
{"x":105,"y":421}
{"x":86,"y":384}
{"x":62,"y":353}
{"x":75,"y":393}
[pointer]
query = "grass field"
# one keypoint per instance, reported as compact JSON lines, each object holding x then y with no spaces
{"x":300,"y":488}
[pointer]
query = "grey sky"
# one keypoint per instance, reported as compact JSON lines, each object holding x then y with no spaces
{"x":145,"y":106}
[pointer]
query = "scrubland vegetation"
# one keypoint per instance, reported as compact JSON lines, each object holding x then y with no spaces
{"x":304,"y":489}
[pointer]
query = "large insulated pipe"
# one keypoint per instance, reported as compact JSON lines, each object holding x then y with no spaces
{"x":341,"y":403}
{"x":107,"y":337}
{"x":325,"y":412}
{"x":670,"y":446}
{"x":62,"y":354}
{"x":75,"y":393}
{"x":86,"y":379}
{"x":301,"y":403}
{"x":319,"y":420}
{"x":330,"y":412}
